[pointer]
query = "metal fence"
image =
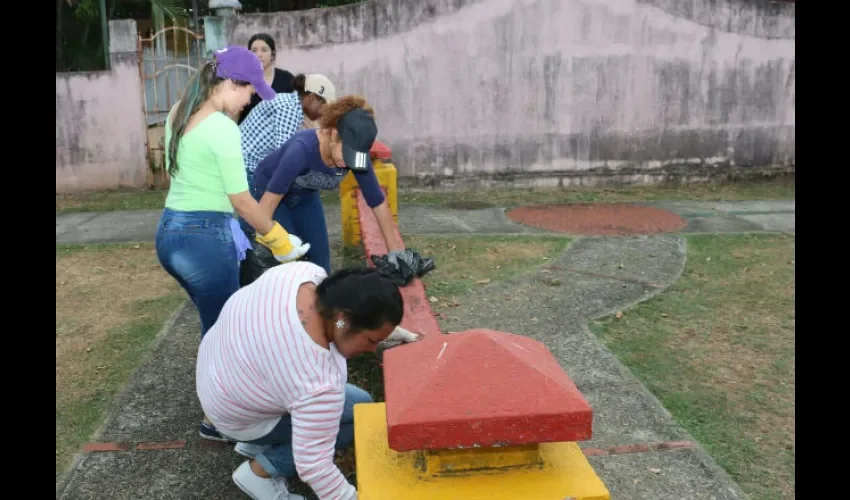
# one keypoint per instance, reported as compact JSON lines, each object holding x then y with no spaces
{"x":165,"y":73}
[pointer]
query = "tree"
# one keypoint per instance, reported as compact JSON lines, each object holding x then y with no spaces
{"x":79,"y":45}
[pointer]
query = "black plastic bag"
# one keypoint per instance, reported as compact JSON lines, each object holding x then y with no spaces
{"x":257,"y":261}
{"x":403,"y":266}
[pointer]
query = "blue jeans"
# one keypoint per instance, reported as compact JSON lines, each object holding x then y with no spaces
{"x":197,"y":250}
{"x":277,"y":459}
{"x":302,"y":215}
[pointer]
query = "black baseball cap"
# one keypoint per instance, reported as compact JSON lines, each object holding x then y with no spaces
{"x":357,"y":130}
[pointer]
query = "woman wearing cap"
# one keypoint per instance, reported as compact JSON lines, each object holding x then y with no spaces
{"x":287,"y":182}
{"x":197,"y":234}
{"x":273,"y":122}
{"x":263,"y":46}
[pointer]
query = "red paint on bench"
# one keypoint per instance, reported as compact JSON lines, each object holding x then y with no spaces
{"x":480,"y":388}
{"x":418,"y":316}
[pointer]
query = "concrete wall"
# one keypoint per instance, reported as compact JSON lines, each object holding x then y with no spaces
{"x":100,"y":137}
{"x":556,"y":91}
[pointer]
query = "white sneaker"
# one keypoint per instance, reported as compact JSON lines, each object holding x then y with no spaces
{"x":299,"y":250}
{"x":248,"y":450}
{"x":261,"y":488}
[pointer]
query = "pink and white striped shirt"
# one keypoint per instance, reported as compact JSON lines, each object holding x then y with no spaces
{"x":257,"y":363}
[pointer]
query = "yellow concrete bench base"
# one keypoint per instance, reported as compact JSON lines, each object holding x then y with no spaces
{"x":387,"y":179}
{"x":549,"y":471}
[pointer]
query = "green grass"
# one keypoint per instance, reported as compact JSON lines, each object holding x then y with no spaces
{"x":108,"y":201}
{"x":717,"y":349}
{"x":111,"y":300}
{"x":469,"y":261}
{"x":776,"y":189}
{"x":781,"y":188}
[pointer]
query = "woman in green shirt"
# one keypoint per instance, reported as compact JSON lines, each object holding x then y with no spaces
{"x":197,"y":235}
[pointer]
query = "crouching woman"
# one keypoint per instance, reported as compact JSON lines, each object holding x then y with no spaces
{"x":272,"y":372}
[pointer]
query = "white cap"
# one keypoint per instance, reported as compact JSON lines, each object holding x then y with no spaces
{"x":321,"y":86}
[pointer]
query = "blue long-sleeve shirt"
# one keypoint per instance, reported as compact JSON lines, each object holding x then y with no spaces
{"x":298,"y":166}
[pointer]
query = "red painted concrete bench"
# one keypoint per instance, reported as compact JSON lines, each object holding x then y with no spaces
{"x":418,"y":316}
{"x":478,"y":388}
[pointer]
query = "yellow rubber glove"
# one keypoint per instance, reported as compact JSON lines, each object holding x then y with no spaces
{"x":285,"y":247}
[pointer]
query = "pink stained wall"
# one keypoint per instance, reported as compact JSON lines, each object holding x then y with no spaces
{"x":100,"y":137}
{"x":519,"y":89}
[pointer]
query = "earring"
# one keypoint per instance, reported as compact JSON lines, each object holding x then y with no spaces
{"x":340,"y":324}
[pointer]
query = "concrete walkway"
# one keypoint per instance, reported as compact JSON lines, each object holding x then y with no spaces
{"x":638,"y":449}
{"x":149,"y":448}
{"x":708,"y":217}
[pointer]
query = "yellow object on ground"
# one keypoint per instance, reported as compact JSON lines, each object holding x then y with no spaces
{"x":387,"y":178}
{"x":548,"y":471}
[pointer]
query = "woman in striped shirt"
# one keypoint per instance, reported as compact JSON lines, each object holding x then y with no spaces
{"x":272,"y":372}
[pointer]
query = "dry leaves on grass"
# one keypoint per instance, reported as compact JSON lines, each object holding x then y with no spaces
{"x":95,"y":293}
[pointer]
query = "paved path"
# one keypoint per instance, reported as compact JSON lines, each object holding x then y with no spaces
{"x":152,"y":450}
{"x":632,"y":432}
{"x":709,"y":217}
